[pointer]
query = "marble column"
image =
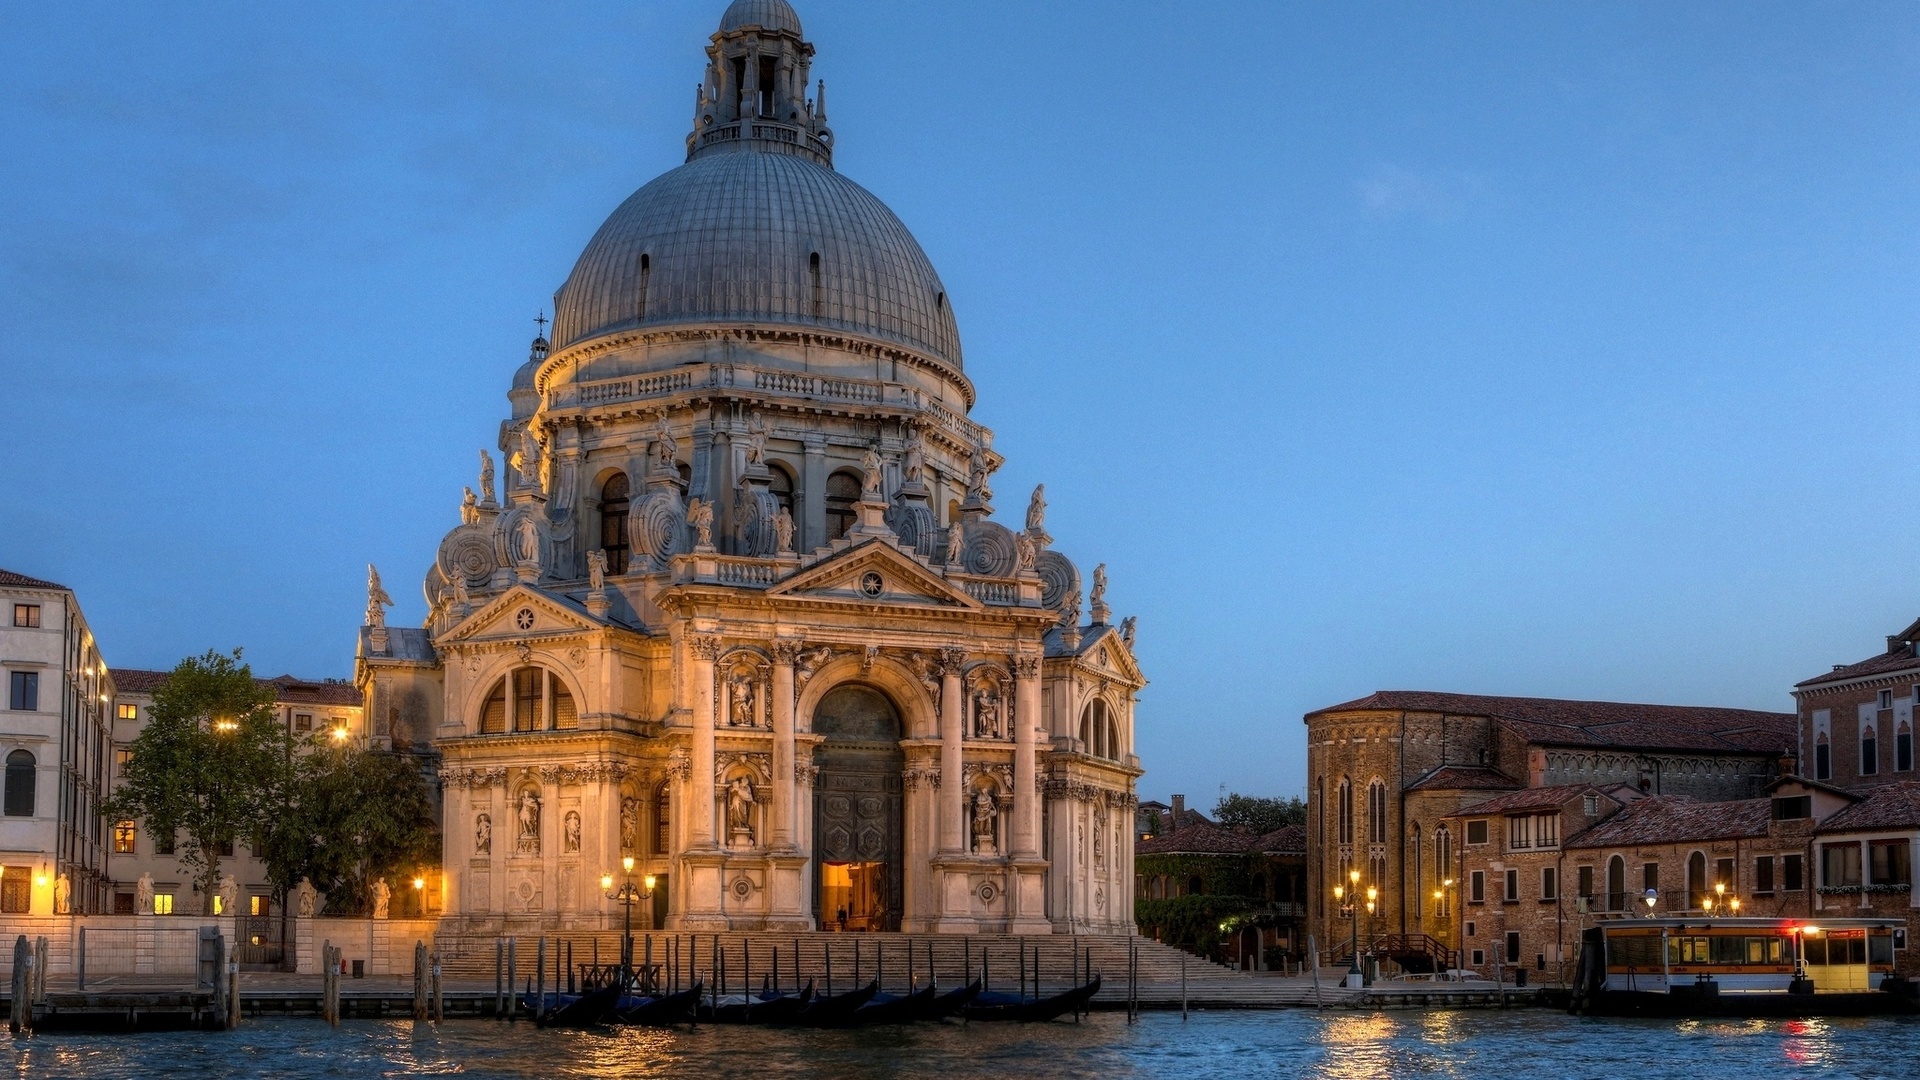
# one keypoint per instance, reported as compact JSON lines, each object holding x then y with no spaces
{"x":785,"y":651}
{"x":703,"y":649}
{"x":952,"y":798}
{"x":1026,"y":722}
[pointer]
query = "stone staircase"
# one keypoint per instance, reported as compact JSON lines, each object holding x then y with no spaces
{"x":856,"y":958}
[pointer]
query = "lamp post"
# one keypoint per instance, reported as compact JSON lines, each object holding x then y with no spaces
{"x":1652,"y":897}
{"x":1345,"y":896}
{"x":627,"y":896}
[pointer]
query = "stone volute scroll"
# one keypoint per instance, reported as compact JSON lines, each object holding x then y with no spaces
{"x":1058,"y":578}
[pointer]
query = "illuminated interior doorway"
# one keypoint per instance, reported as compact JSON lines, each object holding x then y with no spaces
{"x":853,"y":896}
{"x":858,"y":819}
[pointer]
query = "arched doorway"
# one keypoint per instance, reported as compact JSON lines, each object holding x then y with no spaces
{"x":857,"y":816}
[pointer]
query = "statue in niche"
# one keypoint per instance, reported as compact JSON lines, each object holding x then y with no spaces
{"x":469,"y":507}
{"x":665,"y":449}
{"x":529,"y":534}
{"x":956,"y":539}
{"x":870,"y":465}
{"x":740,"y":702}
{"x":756,"y":440}
{"x":1026,"y":552}
{"x":983,"y":814}
{"x":570,"y":831}
{"x":229,"y":895}
{"x":483,"y":835}
{"x":700,"y":516}
{"x":629,"y":826}
{"x":597,"y":570}
{"x":529,"y":815}
{"x":1037,"y":513}
{"x":986,"y":714}
{"x":1100,"y":836}
{"x":740,"y":810}
{"x":304,"y":899}
{"x":783,"y":531}
{"x":486,"y":478}
{"x":62,"y":895}
{"x":377,"y":599}
{"x":1126,"y":629}
{"x":382,"y":898}
{"x":915,"y":463}
{"x":143,"y":895}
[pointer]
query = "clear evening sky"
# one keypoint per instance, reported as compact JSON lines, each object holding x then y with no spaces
{"x":1537,"y":349}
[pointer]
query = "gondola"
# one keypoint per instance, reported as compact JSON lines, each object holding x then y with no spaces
{"x":950,"y":1003}
{"x":989,"y":1006}
{"x":591,"y":1009}
{"x":766,"y":1007}
{"x":838,"y":1010}
{"x":659,"y":1011}
{"x":895,"y":1008}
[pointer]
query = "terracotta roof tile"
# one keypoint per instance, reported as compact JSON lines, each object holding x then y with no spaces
{"x":1554,"y":722}
{"x":1285,"y":840}
{"x":22,"y":581}
{"x":1898,"y":660}
{"x":288,"y":689}
{"x":1464,"y":778}
{"x":1674,"y":819}
{"x":1539,"y":798}
{"x":1886,"y":806}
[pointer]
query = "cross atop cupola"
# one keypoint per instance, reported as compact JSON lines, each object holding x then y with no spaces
{"x":754,"y":96}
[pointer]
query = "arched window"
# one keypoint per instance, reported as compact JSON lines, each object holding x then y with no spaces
{"x":843,"y":490}
{"x":1696,"y":881}
{"x":1617,"y":884}
{"x":1099,"y":736}
{"x":1823,"y":758}
{"x":663,"y":818}
{"x":646,"y":272}
{"x":781,"y":485}
{"x":21,"y":774}
{"x":529,"y":699}
{"x":1195,"y":886}
{"x":1903,"y":748}
{"x":613,"y":522}
{"x":953,"y":511}
{"x":1869,"y":750}
{"x":1346,"y":810}
{"x":1443,"y":869}
{"x":1376,"y":813}
{"x":1418,"y":874}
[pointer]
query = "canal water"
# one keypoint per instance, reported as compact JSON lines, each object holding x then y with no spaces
{"x":1476,"y":1045}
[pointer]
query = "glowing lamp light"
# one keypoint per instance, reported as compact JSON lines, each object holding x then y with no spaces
{"x":1809,"y":929}
{"x":1372,"y":895}
{"x":339,"y":734}
{"x":606,"y":881}
{"x":40,"y":880}
{"x":419,"y":883}
{"x":1354,"y":876}
{"x":626,"y":863}
{"x":648,"y":880}
{"x":1339,"y":892}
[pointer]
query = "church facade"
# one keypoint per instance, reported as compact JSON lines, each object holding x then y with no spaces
{"x":736,"y":605}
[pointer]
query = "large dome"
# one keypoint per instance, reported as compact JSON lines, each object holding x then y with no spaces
{"x":757,"y":237}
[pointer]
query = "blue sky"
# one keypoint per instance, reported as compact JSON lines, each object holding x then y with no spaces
{"x":1541,"y":349}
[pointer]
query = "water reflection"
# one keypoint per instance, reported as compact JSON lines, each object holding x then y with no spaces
{"x":1225,"y":1044}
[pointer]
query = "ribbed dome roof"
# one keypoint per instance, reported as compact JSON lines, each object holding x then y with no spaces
{"x":767,"y":14}
{"x":731,"y":238}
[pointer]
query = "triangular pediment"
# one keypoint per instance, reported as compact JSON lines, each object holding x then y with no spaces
{"x":875,"y":572}
{"x":523,"y":611}
{"x":1105,"y":650}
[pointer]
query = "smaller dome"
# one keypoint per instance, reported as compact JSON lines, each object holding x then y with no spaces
{"x":766,"y":14}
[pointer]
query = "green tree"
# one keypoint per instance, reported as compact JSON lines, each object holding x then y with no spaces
{"x":350,"y":817}
{"x":207,"y":765}
{"x":1257,"y":814}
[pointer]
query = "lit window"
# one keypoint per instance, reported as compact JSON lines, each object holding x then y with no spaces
{"x":122,"y":757}
{"x":256,"y":905}
{"x":219,"y":905}
{"x":163,"y":903}
{"x":123,"y":837}
{"x":27,"y":615}
{"x":16,"y":890}
{"x":128,"y":711}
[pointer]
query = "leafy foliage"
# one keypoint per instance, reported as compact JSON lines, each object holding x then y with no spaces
{"x":1192,"y":921}
{"x":208,"y":763}
{"x":1257,"y":814}
{"x":351,"y":817}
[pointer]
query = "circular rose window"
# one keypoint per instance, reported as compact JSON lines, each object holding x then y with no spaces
{"x":523,"y":618}
{"x":871,"y":584}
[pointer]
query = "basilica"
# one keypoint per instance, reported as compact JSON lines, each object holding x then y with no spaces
{"x":735,"y":603}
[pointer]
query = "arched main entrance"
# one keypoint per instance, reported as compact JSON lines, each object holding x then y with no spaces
{"x":858,"y":829}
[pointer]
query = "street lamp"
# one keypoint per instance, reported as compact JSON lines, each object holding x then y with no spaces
{"x":626,"y":897}
{"x":1652,"y":897}
{"x":1347,"y":897}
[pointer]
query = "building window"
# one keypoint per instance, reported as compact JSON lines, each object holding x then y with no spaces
{"x":780,"y":486}
{"x":1098,"y":736}
{"x":1513,"y":886}
{"x":1519,"y":833}
{"x":123,"y":837}
{"x":1376,"y":813}
{"x":1839,"y":865}
{"x":1550,"y":882}
{"x":1696,"y":880}
{"x":257,"y":905}
{"x":1546,"y":830}
{"x":1792,"y":807}
{"x":16,"y":890}
{"x":127,"y":711}
{"x":1886,"y":699}
{"x":1869,"y":751}
{"x":1888,"y":863}
{"x":1617,"y":884}
{"x":1583,"y":880}
{"x":1419,"y":871}
{"x":163,"y":843}
{"x":22,"y":772}
{"x":646,"y":274}
{"x":1346,"y":811}
{"x":1477,"y":887}
{"x":843,"y":491}
{"x":23,"y":691}
{"x":303,"y":721}
{"x":1590,"y":805}
{"x":27,"y":615}
{"x":225,"y":848}
{"x":1650,"y":877}
{"x":614,"y":504}
{"x":122,"y":758}
{"x":1479,"y":957}
{"x":1763,"y":875}
{"x":1793,"y":872}
{"x":123,"y":903}
{"x":663,"y":819}
{"x":1476,"y":832}
{"x":1443,"y":867}
{"x":1822,"y":758}
{"x":1903,"y":748}
{"x":529,"y":699}
{"x":1513,"y":947}
{"x":163,"y":903}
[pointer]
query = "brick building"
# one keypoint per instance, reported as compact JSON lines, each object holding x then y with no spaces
{"x":1856,"y":721}
{"x":1259,"y":881}
{"x":1390,"y":775}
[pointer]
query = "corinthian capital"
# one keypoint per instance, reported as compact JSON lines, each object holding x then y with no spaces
{"x":1026,"y":667}
{"x":787,"y":650}
{"x":705,"y":646}
{"x":953,"y":660}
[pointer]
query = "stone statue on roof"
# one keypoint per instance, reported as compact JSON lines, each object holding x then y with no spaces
{"x":377,"y":599}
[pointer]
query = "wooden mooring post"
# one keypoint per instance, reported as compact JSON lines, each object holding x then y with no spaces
{"x":330,"y":984}
{"x":439,"y":1000}
{"x":21,"y":1016}
{"x":499,"y":977}
{"x":233,"y":994}
{"x":513,"y":977}
{"x":420,"y":980}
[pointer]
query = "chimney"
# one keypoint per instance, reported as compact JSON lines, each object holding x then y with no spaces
{"x":1179,"y":810}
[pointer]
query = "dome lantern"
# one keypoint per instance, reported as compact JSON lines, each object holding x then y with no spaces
{"x":754,"y":95}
